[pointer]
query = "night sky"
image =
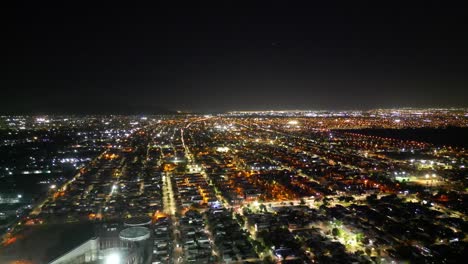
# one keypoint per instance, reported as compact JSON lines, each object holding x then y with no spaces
{"x":233,"y":56}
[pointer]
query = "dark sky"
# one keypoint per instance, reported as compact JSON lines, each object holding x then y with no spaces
{"x":233,"y":56}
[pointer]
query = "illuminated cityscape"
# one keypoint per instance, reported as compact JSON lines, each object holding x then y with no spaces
{"x":275,"y":186}
{"x":234,"y":132}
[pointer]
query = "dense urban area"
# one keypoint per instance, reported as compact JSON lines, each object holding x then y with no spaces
{"x":379,"y":186}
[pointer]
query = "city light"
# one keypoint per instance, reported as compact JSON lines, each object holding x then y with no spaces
{"x":222,"y":149}
{"x":113,"y":258}
{"x":241,"y":132}
{"x":256,"y":180}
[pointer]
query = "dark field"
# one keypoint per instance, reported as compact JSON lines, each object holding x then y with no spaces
{"x":452,"y":136}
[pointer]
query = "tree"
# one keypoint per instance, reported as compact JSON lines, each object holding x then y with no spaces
{"x":246,"y":210}
{"x":268,"y":260}
{"x":240,"y":219}
{"x":368,"y":251}
{"x":302,"y":201}
{"x":366,"y":241}
{"x":371,"y":199}
{"x":182,"y":167}
{"x":336,"y":232}
{"x":359,"y":237}
{"x":326,"y":201}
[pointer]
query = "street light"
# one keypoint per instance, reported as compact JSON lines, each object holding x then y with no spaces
{"x":113,"y":258}
{"x":114,"y":188}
